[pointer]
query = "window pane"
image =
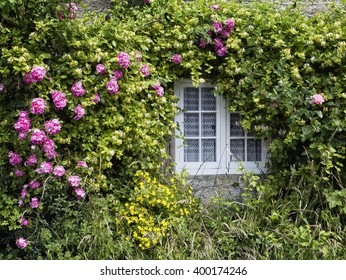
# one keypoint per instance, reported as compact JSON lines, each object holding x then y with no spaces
{"x":191,"y":150}
{"x":191,"y":124}
{"x":191,"y":99}
{"x":236,"y":129}
{"x":208,"y":124}
{"x":237,"y":149}
{"x":254,"y":150}
{"x":208,"y":101}
{"x":208,"y":150}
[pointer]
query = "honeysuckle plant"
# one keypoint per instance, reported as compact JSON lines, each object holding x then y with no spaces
{"x":87,"y":101}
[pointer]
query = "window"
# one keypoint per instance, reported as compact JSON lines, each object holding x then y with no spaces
{"x":213,"y":141}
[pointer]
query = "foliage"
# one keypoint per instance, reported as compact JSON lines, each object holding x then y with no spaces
{"x":269,"y":63}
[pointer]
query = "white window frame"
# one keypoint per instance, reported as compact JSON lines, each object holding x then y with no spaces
{"x":222,"y":165}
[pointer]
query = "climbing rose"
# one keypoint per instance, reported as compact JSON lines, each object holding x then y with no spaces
{"x":34,"y":185}
{"x":96,"y":98}
{"x":77,"y":89}
{"x":35,"y":203}
{"x":32,"y":160}
{"x":176,"y":58}
{"x":112,"y":86}
{"x":229,"y":24}
{"x":38,"y":137}
{"x":82,"y":164}
{"x":74,"y":181}
{"x":59,"y":99}
{"x":2,"y":87}
{"x":59,"y":171}
{"x":73,"y":7}
{"x":203,"y":43}
{"x":147,"y":1}
{"x":80,"y":193}
{"x":52,"y":126}
{"x":124,"y":60}
{"x":217,"y":27}
{"x":37,"y":73}
{"x":317,"y":99}
{"x":79,"y":110}
{"x":24,"y":222}
{"x":28,"y":78}
{"x":23,"y":193}
{"x":215,"y":7}
{"x":37,"y":106}
{"x":48,"y":148}
{"x":19,"y":173}
{"x":45,"y":167}
{"x":145,"y":70}
{"x":15,"y":159}
{"x":225,"y":34}
{"x":21,"y":243}
{"x":222,"y":51}
{"x":117,"y":74}
{"x":100,"y":68}
{"x":23,"y":123}
{"x":159,"y":90}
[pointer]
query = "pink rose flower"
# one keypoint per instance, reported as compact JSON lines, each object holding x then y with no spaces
{"x":112,"y":86}
{"x":14,"y":158}
{"x":124,"y":60}
{"x":34,"y":184}
{"x":159,"y":90}
{"x":145,"y":70}
{"x":215,"y":7}
{"x":229,"y":24}
{"x":74,"y":181}
{"x":59,"y":171}
{"x":82,"y":164}
{"x":37,"y":73}
{"x":52,"y":126}
{"x":203,"y":43}
{"x":176,"y":58}
{"x":38,"y":137}
{"x":45,"y":167}
{"x":23,"y":123}
{"x":117,"y":74}
{"x":316,"y":99}
{"x":101,"y":69}
{"x":24,"y":222}
{"x":24,"y":193}
{"x":2,"y":87}
{"x":217,"y":26}
{"x":21,"y":243}
{"x":28,"y":78}
{"x":19,"y":173}
{"x":32,"y":160}
{"x":59,"y":99}
{"x":73,"y":7}
{"x":35,"y":203}
{"x":80,"y":193}
{"x":78,"y":89}
{"x":48,"y":148}
{"x":37,"y":106}
{"x":79,"y":111}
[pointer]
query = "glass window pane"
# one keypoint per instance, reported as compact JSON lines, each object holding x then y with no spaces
{"x":237,"y":150}
{"x":208,"y":101}
{"x":208,"y":150}
{"x":191,"y":150}
{"x":191,"y":99}
{"x":191,"y":124}
{"x":254,"y":150}
{"x":236,"y":129}
{"x":209,"y":124}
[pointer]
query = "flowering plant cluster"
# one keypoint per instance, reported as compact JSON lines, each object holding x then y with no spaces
{"x":152,"y":207}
